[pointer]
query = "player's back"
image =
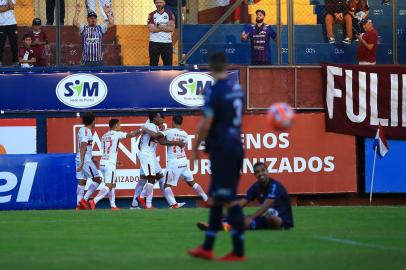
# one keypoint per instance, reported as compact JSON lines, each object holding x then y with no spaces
{"x":110,"y":142}
{"x":147,"y":143}
{"x":179,"y":135}
{"x":85,"y":135}
{"x":225,"y":99}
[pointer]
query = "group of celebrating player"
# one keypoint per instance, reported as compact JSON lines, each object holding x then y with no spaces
{"x":220,"y":128}
{"x":151,"y":134}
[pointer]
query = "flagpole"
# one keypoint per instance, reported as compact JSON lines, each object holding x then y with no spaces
{"x":372,"y":180}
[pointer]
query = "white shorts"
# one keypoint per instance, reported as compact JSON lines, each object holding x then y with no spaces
{"x":177,"y":168}
{"x":109,"y":173}
{"x":149,"y":164}
{"x":89,"y":170}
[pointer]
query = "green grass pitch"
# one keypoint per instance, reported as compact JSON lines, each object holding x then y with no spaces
{"x":324,"y":238}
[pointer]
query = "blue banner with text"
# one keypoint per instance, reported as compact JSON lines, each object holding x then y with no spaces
{"x":133,"y":90}
{"x":44,"y":181}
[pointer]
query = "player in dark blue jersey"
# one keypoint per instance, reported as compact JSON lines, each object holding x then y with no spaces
{"x":220,"y":128}
{"x":275,"y":211}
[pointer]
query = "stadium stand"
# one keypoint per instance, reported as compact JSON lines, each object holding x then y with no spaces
{"x":125,"y":44}
{"x":310,"y":43}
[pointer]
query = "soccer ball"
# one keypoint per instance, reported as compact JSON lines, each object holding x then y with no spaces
{"x":280,"y":116}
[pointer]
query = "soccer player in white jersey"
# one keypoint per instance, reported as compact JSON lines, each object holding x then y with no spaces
{"x":108,"y":161}
{"x":149,"y":162}
{"x":85,"y":167}
{"x":178,"y":164}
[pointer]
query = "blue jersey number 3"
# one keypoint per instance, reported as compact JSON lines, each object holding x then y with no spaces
{"x":237,"y":104}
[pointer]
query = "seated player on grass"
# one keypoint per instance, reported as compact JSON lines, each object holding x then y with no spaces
{"x":275,"y":211}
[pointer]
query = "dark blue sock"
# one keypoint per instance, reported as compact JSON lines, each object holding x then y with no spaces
{"x":215,"y":216}
{"x":236,"y":220}
{"x":259,"y":223}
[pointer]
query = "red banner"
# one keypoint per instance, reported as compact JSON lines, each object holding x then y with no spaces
{"x":306,"y":159}
{"x":359,"y":98}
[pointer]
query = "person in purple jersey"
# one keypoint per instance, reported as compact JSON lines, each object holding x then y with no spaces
{"x":92,"y":35}
{"x":260,"y":35}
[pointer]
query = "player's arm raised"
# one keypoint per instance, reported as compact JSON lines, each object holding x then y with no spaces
{"x":82,"y":150}
{"x":134,"y":133}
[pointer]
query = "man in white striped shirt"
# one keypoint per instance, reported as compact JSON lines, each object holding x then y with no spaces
{"x":92,"y":36}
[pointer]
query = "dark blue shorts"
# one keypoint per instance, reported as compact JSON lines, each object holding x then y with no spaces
{"x":225,"y":169}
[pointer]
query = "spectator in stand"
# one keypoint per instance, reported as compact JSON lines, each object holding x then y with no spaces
{"x":236,"y":15}
{"x":337,"y":12}
{"x":91,"y":7}
{"x":161,"y":24}
{"x":92,"y":36}
{"x":368,"y":44}
{"x":172,"y":5}
{"x":359,"y":10}
{"x":39,"y":44}
{"x":50,"y":10}
{"x":26,"y":53}
{"x":260,"y":35}
{"x":8,"y":28}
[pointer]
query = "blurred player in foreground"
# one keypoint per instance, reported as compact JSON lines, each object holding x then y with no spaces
{"x":85,"y":167}
{"x":220,"y":127}
{"x":108,"y":161}
{"x":178,"y":164}
{"x":275,"y":212}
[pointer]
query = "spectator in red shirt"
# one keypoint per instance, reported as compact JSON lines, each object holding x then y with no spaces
{"x":26,"y":53}
{"x":368,"y":43}
{"x":39,"y":44}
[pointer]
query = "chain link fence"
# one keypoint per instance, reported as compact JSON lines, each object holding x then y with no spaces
{"x":127,"y":43}
{"x":326,"y":30}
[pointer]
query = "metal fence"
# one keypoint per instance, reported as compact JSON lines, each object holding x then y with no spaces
{"x":206,"y":26}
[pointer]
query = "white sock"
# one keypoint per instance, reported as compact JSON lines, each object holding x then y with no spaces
{"x":149,"y":193}
{"x":80,"y":190}
{"x":138,"y":189}
{"x":112,"y":198}
{"x":93,"y":186}
{"x":200,"y":191}
{"x":170,"y":198}
{"x":103,"y":192}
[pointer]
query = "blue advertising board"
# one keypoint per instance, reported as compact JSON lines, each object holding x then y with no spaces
{"x":390,"y":171}
{"x":45,"y":181}
{"x":133,"y":90}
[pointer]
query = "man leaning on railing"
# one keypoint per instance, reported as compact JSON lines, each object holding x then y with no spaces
{"x":92,"y":36}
